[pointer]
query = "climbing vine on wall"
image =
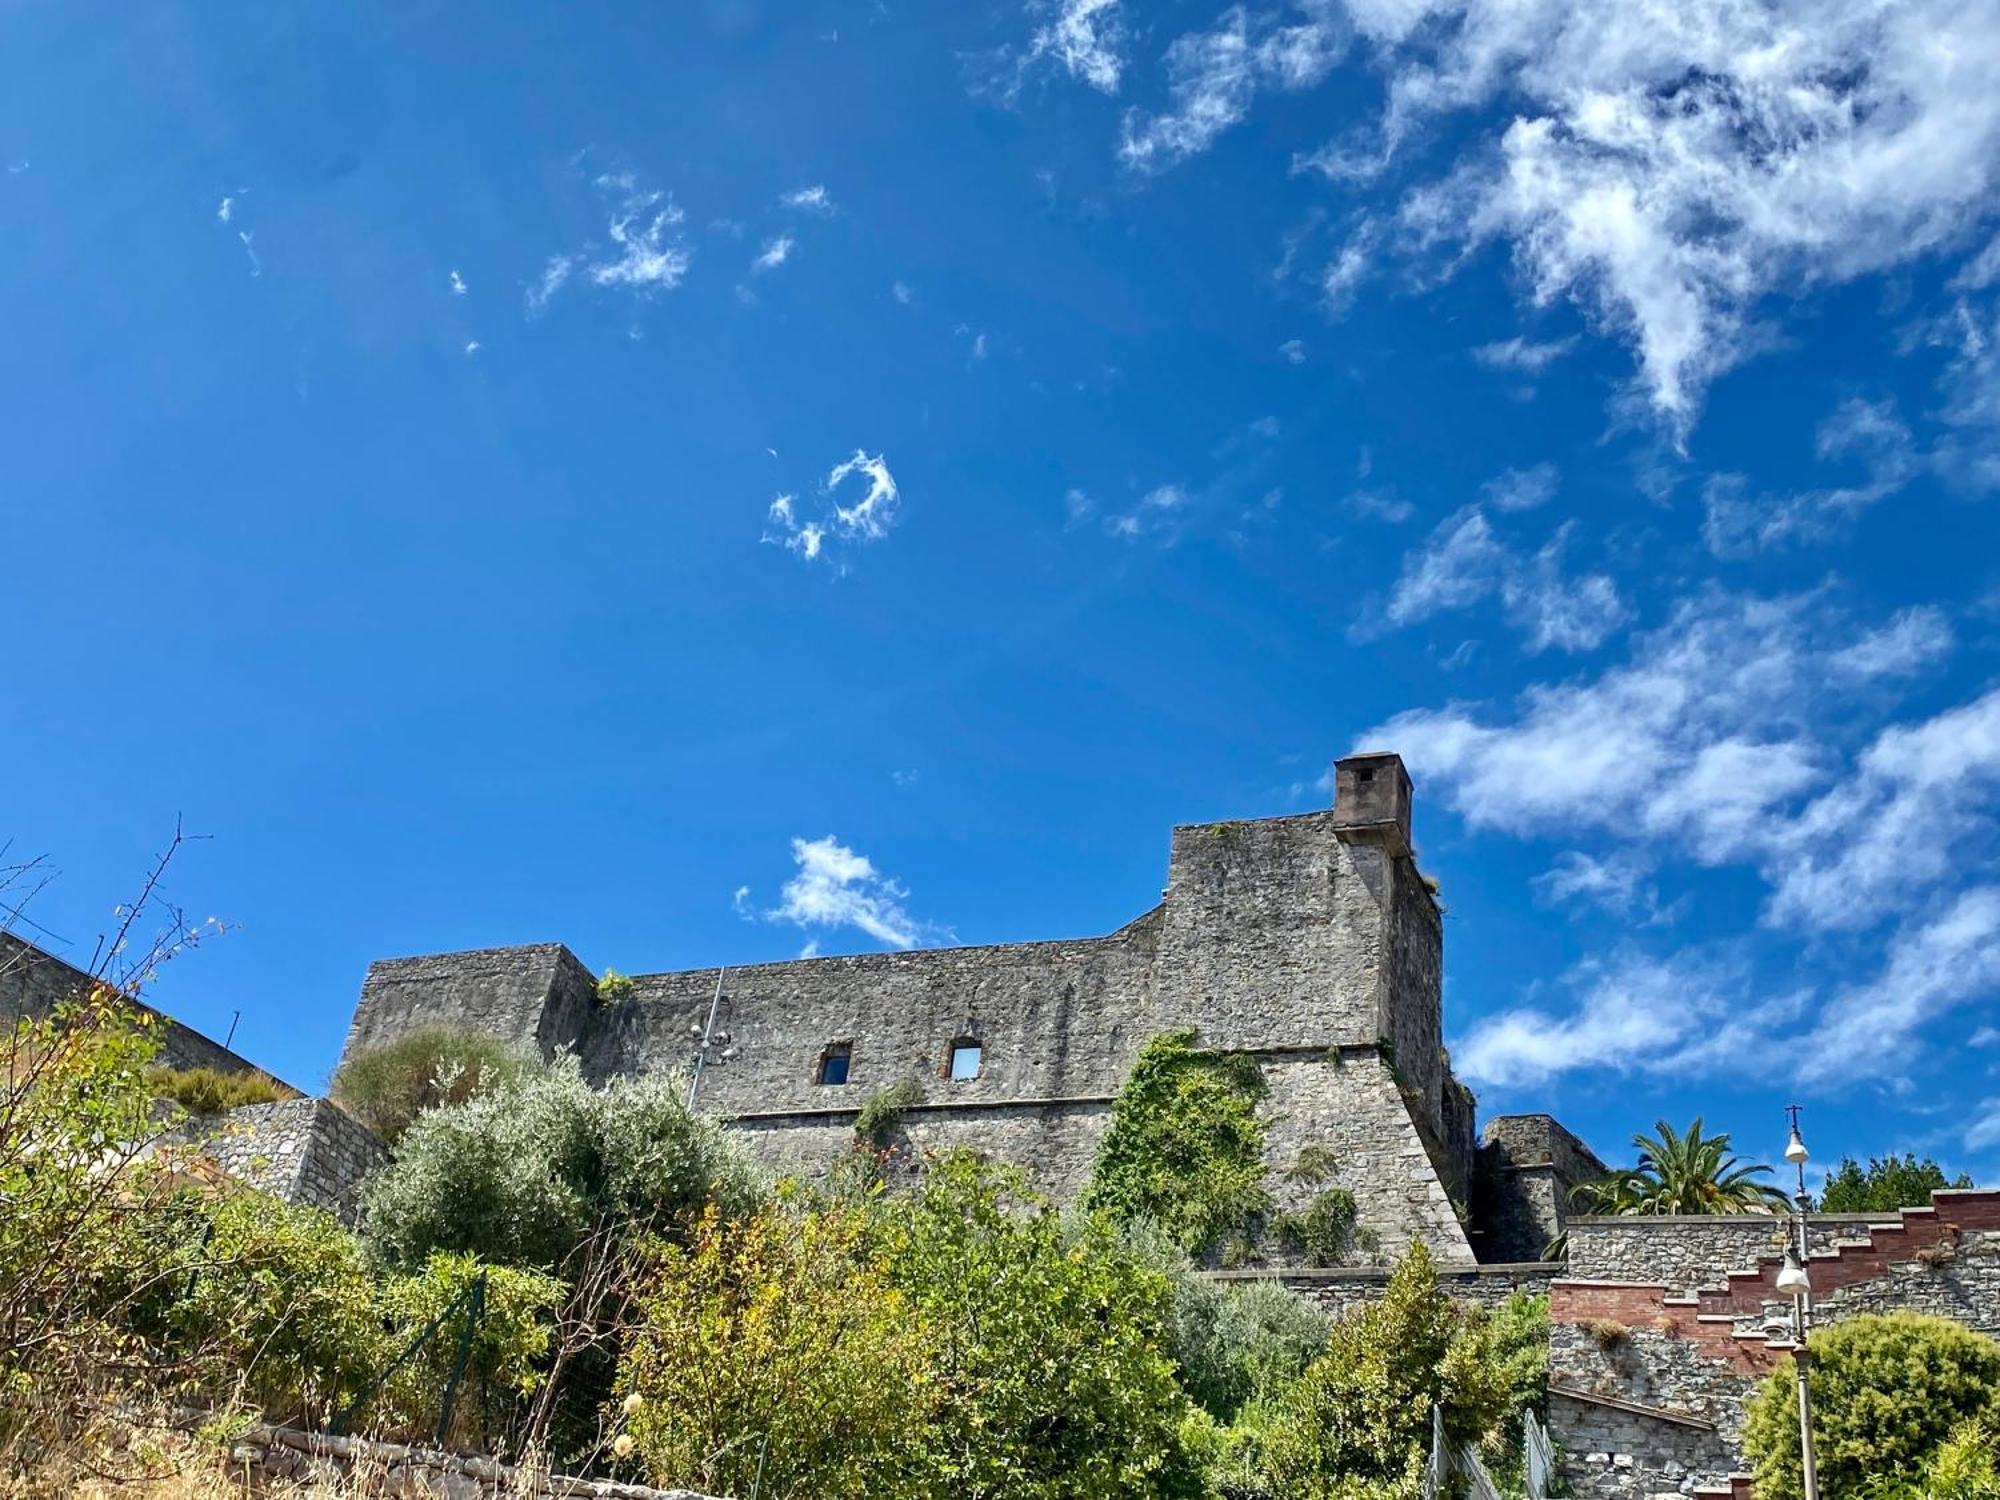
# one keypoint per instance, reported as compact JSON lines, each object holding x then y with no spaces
{"x":1185,"y":1147}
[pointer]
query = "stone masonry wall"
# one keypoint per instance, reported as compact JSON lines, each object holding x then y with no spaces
{"x":1296,"y":939}
{"x":306,"y":1151}
{"x":1528,"y":1166}
{"x":1341,"y":1291}
{"x":1659,"y":1335}
{"x":34,"y":982}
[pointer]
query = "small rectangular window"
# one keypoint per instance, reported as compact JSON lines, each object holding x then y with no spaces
{"x":964,"y":1060}
{"x":833,"y":1062}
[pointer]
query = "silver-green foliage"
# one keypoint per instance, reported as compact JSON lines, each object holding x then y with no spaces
{"x":522,"y":1173}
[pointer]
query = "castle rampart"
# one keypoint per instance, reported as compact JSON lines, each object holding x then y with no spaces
{"x":1310,"y":942}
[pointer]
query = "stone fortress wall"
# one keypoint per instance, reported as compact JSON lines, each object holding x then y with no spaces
{"x":1311,"y":942}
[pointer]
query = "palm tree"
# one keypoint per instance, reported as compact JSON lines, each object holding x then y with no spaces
{"x":1683,"y":1174}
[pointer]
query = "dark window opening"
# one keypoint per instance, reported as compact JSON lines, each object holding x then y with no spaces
{"x":833,"y":1062}
{"x":965,"y":1059}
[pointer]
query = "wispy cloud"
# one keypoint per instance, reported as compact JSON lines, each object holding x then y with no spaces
{"x":1521,"y":489}
{"x":1523,"y":356}
{"x":776,"y":252}
{"x":1732,"y":735}
{"x":1464,"y":562}
{"x":810,"y":200}
{"x":1085,"y":39}
{"x":832,"y":886}
{"x":457,"y":284}
{"x":867,"y":518}
{"x":1214,"y":75}
{"x":1740,"y":522}
{"x":1665,"y":166}
{"x":647,"y":252}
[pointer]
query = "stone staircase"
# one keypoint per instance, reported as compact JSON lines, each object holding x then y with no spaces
{"x":1726,"y":1322}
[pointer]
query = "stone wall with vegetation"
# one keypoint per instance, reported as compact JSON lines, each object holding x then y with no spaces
{"x":308,"y":1151}
{"x":1664,"y":1326}
{"x":1311,"y":943}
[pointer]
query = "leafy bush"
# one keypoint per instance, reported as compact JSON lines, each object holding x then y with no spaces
{"x":614,"y":988}
{"x":76,"y":1187}
{"x":1965,"y":1467}
{"x":207,"y":1091}
{"x":1887,"y":1183}
{"x":1242,"y":1344}
{"x":1359,"y":1419}
{"x":1185,"y":1148}
{"x":1049,"y":1372}
{"x":523,"y":1172}
{"x":774,"y":1344}
{"x":508,"y":1348}
{"x":387,"y":1087}
{"x":1887,"y":1390}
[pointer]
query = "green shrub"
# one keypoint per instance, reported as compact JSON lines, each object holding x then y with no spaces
{"x":773,"y":1347}
{"x":388,"y":1087}
{"x":504,"y":1359}
{"x":1049,"y":1369}
{"x":1185,"y":1147}
{"x":207,"y":1091}
{"x":614,"y":988}
{"x":1359,"y":1419}
{"x":1966,"y":1466}
{"x":1887,"y":1390}
{"x":861,"y":1170}
{"x":522,"y":1172}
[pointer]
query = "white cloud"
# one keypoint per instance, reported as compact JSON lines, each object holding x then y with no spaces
{"x":1463,"y":562}
{"x":1632,"y":1014}
{"x":554,"y":274}
{"x":1521,"y":489}
{"x":1214,"y":75}
{"x":1294,"y":351}
{"x":647,"y":253}
{"x":1619,"y":882}
{"x":902,"y":293}
{"x":1380,"y":505}
{"x":1892,"y":828}
{"x":1732,"y":735}
{"x":870,"y":518}
{"x":811,"y":200}
{"x":1458,"y":566}
{"x":776,"y":252}
{"x":457,"y":284}
{"x":1666,"y":165}
{"x":1984,"y":1132}
{"x":473,"y":346}
{"x":1159,"y":513}
{"x":1932,"y":968}
{"x":1738,"y":523}
{"x":651,"y":253}
{"x":835,"y":887}
{"x":1522,"y":355}
{"x":867,"y":519}
{"x":1912,"y":640}
{"x":244,"y":236}
{"x":1085,"y":39}
{"x":226,"y":209}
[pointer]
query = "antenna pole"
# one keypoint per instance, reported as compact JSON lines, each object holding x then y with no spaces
{"x":707,"y":1037}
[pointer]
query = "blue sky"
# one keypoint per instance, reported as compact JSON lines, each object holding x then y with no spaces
{"x":695,"y":482}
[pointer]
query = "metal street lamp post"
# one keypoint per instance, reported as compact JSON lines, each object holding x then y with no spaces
{"x":1795,"y":1283}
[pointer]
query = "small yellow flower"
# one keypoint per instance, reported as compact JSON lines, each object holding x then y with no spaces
{"x":622,"y":1447}
{"x":632,"y":1404}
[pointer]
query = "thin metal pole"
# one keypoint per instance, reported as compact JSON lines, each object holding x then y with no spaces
{"x":707,"y":1036}
{"x":1801,"y":1333}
